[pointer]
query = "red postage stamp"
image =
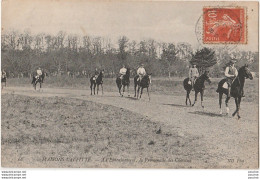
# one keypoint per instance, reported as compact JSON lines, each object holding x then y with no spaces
{"x":224,"y":25}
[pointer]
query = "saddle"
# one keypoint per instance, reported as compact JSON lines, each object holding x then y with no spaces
{"x":225,"y":84}
{"x":189,"y":82}
{"x":121,"y":76}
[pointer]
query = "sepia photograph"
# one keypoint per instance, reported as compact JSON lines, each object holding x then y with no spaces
{"x":130,"y":84}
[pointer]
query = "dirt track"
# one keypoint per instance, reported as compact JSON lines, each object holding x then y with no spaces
{"x":223,"y":135}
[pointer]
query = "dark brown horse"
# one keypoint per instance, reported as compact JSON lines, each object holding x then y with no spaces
{"x":237,"y":88}
{"x":37,"y":79}
{"x":97,"y":82}
{"x":144,"y":83}
{"x":124,"y":82}
{"x":3,"y":80}
{"x":199,"y":87}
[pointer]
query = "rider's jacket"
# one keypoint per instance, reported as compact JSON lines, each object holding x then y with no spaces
{"x":193,"y":72}
{"x":141,"y":71}
{"x":123,"y":71}
{"x":231,"y":72}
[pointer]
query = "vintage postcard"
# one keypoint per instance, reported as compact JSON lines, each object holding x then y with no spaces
{"x":127,"y":84}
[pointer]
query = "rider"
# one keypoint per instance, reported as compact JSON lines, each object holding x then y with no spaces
{"x":193,"y":75}
{"x":3,"y":73}
{"x":141,"y":72}
{"x":122,"y":72}
{"x":231,"y":73}
{"x":96,"y":75}
{"x":38,"y":73}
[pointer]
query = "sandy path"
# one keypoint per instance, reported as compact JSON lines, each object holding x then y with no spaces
{"x":223,"y":135}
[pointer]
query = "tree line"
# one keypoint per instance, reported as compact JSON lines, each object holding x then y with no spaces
{"x":23,"y":53}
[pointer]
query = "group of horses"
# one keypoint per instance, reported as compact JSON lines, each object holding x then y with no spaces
{"x":3,"y":80}
{"x":236,"y":92}
{"x":37,"y":79}
{"x":123,"y":82}
{"x":199,"y":86}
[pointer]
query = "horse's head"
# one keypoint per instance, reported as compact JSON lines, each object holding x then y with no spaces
{"x":101,"y":74}
{"x":150,"y":77}
{"x":206,"y":76}
{"x":245,"y":72}
{"x":128,"y":72}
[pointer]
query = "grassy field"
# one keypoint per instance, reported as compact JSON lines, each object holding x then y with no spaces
{"x":59,"y":132}
{"x":172,"y":86}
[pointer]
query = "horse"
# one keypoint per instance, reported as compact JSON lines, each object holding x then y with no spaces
{"x":97,"y":82}
{"x":38,"y":79}
{"x":236,"y":89}
{"x":124,"y":82}
{"x":3,"y":80}
{"x":144,"y":83}
{"x":199,"y":87}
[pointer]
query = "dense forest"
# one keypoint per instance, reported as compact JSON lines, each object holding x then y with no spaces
{"x":78,"y":56}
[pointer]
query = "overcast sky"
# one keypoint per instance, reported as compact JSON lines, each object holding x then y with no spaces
{"x":162,"y":21}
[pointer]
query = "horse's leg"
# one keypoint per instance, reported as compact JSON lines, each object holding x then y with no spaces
{"x":138,"y":92}
{"x":135,"y":90}
{"x":236,"y":101}
{"x":102,"y":89}
{"x":141,"y":92}
{"x":189,"y":97}
{"x":186,"y":98}
{"x":196,"y":94}
{"x":128,"y":90}
{"x":201,"y":96}
{"x":227,"y":108}
{"x":94,"y":88}
{"x":148,"y":93}
{"x":239,"y":101}
{"x":91,"y":88}
{"x":123,"y":90}
{"x":220,"y":101}
{"x":97,"y":89}
{"x":119,"y":90}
